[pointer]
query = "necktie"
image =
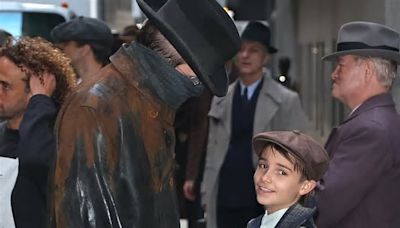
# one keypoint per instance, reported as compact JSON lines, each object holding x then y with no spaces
{"x":244,"y":96}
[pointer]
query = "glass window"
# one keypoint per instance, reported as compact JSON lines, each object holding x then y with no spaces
{"x":30,"y":23}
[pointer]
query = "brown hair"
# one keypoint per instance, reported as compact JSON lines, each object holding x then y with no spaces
{"x":298,"y":164}
{"x":35,"y":56}
{"x":152,"y":38}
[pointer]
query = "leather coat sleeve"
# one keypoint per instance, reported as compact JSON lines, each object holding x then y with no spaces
{"x":37,"y":140}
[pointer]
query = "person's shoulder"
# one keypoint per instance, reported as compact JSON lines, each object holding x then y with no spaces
{"x":94,"y":93}
{"x":255,"y":222}
{"x":278,"y":90}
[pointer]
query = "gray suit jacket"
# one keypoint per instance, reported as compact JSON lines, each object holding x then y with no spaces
{"x":278,"y":108}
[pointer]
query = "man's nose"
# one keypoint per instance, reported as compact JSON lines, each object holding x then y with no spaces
{"x":243,"y":53}
{"x":334,"y":74}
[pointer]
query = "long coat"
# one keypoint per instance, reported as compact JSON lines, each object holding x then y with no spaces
{"x":277,"y":108}
{"x":116,"y":139}
{"x":362,"y":185}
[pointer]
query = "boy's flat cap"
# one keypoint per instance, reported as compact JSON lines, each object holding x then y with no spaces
{"x":298,"y":144}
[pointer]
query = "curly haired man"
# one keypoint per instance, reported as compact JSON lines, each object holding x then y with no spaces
{"x":35,"y":78}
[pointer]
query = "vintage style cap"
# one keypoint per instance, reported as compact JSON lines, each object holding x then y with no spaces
{"x":86,"y":30}
{"x":257,"y":31}
{"x":298,"y":144}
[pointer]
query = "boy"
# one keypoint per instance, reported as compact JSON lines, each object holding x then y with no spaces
{"x":290,"y":164}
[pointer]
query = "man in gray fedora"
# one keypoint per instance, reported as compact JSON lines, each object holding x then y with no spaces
{"x":361,"y":187}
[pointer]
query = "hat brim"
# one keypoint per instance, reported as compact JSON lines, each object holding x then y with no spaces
{"x":386,"y":54}
{"x":217,"y":81}
{"x":270,"y":49}
{"x":259,"y":144}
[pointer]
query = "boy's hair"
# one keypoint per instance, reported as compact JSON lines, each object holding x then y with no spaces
{"x":298,"y":164}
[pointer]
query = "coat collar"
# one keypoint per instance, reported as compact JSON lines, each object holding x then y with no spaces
{"x":270,"y":98}
{"x":147,"y":70}
{"x":380,"y":100}
{"x":269,"y":89}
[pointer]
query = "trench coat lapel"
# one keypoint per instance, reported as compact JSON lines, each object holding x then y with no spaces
{"x":267,"y":105}
{"x":221,"y":109}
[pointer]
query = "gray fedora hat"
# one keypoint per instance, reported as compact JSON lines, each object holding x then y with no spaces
{"x":367,"y":39}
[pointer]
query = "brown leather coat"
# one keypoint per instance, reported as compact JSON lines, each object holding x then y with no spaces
{"x":116,"y":147}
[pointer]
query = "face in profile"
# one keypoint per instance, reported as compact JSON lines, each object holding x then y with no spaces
{"x":347,"y":79}
{"x":73,"y":51}
{"x":278,"y":184}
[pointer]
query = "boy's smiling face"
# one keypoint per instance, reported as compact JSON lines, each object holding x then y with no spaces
{"x":278,"y":185}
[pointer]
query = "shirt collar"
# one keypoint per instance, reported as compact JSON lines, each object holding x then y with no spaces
{"x":270,"y":220}
{"x":250,"y":88}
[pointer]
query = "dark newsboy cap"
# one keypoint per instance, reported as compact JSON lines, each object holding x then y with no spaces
{"x":84,"y":30}
{"x":257,"y":31}
{"x":299,"y":145}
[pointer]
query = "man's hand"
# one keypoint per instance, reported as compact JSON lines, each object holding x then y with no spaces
{"x":44,"y":85}
{"x":188,"y":190}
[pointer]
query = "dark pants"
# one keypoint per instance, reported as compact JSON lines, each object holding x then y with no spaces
{"x":237,"y":217}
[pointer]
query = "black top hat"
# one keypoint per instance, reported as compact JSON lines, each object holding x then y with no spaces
{"x":203,"y":34}
{"x":257,"y":31}
{"x":367,"y":39}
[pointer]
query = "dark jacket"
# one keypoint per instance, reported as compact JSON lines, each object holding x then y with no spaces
{"x":116,"y":145}
{"x":361,"y":187}
{"x":34,"y":146}
{"x":296,"y":216}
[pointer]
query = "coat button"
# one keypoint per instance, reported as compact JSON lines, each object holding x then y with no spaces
{"x":153,"y":114}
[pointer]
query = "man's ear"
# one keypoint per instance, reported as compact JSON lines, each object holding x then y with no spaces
{"x":307,"y":186}
{"x":85,"y":49}
{"x":369,"y":71}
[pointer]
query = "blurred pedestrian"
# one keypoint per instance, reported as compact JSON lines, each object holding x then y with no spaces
{"x":362,"y":184}
{"x":87,"y":42}
{"x":35,"y":78}
{"x":283,"y":77}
